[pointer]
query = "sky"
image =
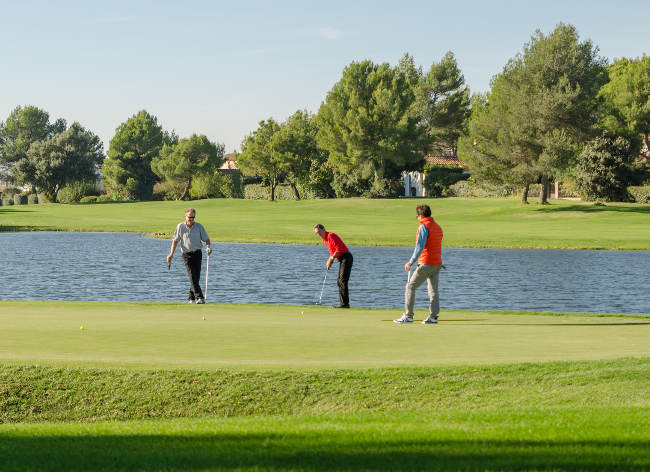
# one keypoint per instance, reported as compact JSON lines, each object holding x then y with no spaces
{"x":218,"y":68}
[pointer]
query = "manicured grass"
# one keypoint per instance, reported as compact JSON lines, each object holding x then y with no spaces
{"x":153,"y":387}
{"x":467,"y":222}
{"x":550,"y":439}
{"x":174,"y":335}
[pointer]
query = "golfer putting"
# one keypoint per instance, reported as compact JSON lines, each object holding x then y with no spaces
{"x":428,"y":254}
{"x":339,"y":251}
{"x":191,"y":236}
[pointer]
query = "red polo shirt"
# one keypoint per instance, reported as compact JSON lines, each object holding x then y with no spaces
{"x":334,"y":244}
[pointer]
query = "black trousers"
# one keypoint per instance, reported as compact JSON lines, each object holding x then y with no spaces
{"x":192,"y":262}
{"x":345,"y":267}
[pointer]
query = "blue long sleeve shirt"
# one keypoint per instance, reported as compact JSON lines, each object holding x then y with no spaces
{"x":423,"y":235}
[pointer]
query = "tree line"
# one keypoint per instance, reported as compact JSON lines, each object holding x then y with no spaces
{"x":557,"y":111}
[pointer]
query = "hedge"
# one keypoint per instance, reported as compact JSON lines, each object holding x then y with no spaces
{"x":282,"y":192}
{"x":640,"y":194}
{"x":20,"y":199}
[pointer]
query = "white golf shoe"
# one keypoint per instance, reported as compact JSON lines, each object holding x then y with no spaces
{"x":190,"y":301}
{"x":403,"y":320}
{"x":430,"y":320}
{"x":200,"y":301}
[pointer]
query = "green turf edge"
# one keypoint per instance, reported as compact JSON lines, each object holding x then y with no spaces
{"x":352,"y":309}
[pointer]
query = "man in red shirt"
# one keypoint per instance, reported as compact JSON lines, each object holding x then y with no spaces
{"x":338,"y":250}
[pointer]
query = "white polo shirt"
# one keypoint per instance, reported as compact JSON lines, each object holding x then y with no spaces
{"x":190,"y":239}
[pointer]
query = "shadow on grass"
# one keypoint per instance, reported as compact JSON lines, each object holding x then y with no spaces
{"x":595,"y":208}
{"x":20,"y":228}
{"x":640,"y":323}
{"x":12,"y":210}
{"x":315,"y":452}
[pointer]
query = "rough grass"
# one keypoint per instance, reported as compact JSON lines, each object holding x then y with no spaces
{"x":501,"y":223}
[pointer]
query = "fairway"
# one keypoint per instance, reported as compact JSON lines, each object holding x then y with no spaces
{"x":479,"y":222}
{"x":168,"y":335}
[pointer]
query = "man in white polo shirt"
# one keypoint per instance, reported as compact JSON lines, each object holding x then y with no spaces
{"x":191,"y":236}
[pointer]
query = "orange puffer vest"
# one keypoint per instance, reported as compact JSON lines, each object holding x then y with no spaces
{"x":431,"y":253}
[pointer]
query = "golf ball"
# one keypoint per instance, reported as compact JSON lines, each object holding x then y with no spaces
{"x":81,"y":328}
{"x":302,"y":312}
{"x":204,"y":318}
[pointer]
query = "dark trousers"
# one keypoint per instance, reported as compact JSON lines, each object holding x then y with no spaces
{"x":345,"y":267}
{"x":192,"y":262}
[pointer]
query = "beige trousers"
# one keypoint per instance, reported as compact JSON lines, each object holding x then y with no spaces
{"x":423,"y":272}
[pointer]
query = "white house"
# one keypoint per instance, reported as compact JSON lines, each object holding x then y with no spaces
{"x":414,"y":180}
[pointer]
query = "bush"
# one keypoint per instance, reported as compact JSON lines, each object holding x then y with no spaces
{"x":438,"y":179}
{"x":20,"y":199}
{"x":168,"y":190}
{"x":601,"y":172}
{"x":75,"y":191}
{"x":103,"y":198}
{"x":471,"y":188}
{"x":237,"y":185}
{"x":9,"y":192}
{"x":42,"y":199}
{"x":7,"y":201}
{"x":89,"y":199}
{"x":217,"y":185}
{"x":640,"y":194}
{"x":350,"y":184}
{"x":32,"y":199}
{"x":282,"y":192}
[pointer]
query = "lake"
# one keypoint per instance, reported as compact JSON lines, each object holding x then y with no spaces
{"x":130,"y":267}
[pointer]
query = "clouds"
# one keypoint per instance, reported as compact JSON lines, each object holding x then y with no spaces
{"x":330,"y":34}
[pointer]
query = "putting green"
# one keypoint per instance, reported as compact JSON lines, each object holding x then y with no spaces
{"x":166,"y":335}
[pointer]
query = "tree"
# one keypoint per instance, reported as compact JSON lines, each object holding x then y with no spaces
{"x":627,"y":100}
{"x":191,"y":156}
{"x":258,"y":156}
{"x":297,"y":150}
{"x":602,"y":169}
{"x":369,"y":121}
{"x":539,"y":112}
{"x":127,"y":171}
{"x":70,"y":156}
{"x":444,"y":104}
{"x":24,"y":126}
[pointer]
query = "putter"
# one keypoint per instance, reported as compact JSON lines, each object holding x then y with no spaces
{"x":322,"y":289}
{"x":207,"y":270}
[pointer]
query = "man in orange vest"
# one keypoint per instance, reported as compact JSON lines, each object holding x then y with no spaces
{"x":427,"y":253}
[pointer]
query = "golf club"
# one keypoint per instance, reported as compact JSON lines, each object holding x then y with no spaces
{"x":322,"y":288}
{"x":207,"y":270}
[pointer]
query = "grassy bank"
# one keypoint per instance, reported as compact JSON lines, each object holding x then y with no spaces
{"x":36,"y":393}
{"x":254,"y":337}
{"x":503,"y":223}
